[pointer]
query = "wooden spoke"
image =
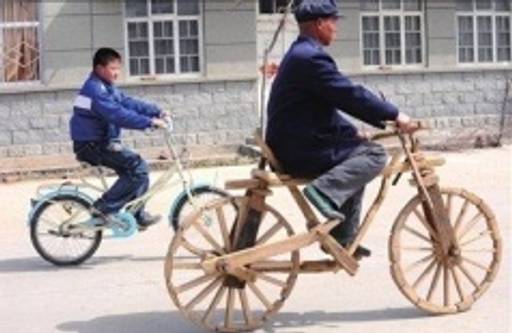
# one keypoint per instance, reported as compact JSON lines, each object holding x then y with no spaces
{"x":272,"y":280}
{"x":480,"y":250}
{"x":470,"y":225}
{"x":480,"y":236}
{"x":186,"y":265}
{"x":456,"y":279}
{"x":230,"y":303}
{"x":425,"y":224}
{"x":417,"y":249}
{"x":202,"y":295}
{"x":463,"y":280}
{"x":474,"y":263}
{"x":242,"y":293}
{"x":208,"y":299}
{"x":213,"y":305}
{"x":223,"y":227}
{"x":269,"y":233}
{"x":424,"y":274}
{"x":435,"y":280}
{"x":446,"y":284}
{"x":194,"y":283}
{"x":419,"y":262}
{"x":260,"y":295}
{"x":206,"y":235}
{"x":192,"y":249}
{"x":462,"y":212}
{"x":417,"y":234}
{"x":468,"y":275}
{"x":449,"y":202}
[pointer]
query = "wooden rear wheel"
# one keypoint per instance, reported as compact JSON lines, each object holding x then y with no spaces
{"x":218,"y":301}
{"x":437,"y":283}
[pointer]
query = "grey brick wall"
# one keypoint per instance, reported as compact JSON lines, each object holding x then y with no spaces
{"x":225,"y":112}
{"x":439,"y":95}
{"x":210,"y":113}
{"x":462,"y":108}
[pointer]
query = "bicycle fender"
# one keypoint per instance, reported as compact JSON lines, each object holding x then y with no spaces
{"x":180,"y":197}
{"x":36,"y":203}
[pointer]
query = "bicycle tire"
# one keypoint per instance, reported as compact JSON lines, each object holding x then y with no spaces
{"x":179,"y":210}
{"x":45,"y":253}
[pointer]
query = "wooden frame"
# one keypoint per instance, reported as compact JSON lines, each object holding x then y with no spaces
{"x":246,"y":256}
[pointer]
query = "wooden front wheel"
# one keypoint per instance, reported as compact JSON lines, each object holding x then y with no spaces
{"x":435,"y":282}
{"x":217,"y":301}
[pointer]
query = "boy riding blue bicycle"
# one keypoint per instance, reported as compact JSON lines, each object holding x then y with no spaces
{"x":100,"y":111}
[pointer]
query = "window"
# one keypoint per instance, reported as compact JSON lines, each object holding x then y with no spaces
{"x":163,"y":37}
{"x":392,"y":32}
{"x":19,"y":41}
{"x":273,"y":6}
{"x":484,"y":34}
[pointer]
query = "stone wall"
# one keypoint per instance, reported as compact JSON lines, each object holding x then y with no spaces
{"x":210,"y":113}
{"x":457,"y":105}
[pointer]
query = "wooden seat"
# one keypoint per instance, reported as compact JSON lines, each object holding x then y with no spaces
{"x":276,"y":178}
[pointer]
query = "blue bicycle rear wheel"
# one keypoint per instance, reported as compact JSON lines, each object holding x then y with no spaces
{"x":51,"y":230}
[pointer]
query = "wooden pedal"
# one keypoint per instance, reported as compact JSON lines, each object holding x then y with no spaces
{"x":340,"y":254}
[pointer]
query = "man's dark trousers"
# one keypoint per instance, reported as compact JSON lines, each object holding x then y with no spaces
{"x":344,"y":185}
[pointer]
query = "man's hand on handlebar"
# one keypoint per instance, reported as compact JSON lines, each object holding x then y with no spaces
{"x":405,"y":124}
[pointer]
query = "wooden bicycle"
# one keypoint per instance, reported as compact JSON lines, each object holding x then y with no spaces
{"x":235,"y":273}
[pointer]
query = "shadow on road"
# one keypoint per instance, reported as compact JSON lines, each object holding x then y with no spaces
{"x":36,"y":264}
{"x":160,"y":322}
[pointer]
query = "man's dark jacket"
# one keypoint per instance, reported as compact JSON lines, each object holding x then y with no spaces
{"x":305,"y":130}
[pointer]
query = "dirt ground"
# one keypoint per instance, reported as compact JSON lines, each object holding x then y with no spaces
{"x":121,"y":289}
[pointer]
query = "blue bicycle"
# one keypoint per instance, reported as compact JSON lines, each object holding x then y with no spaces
{"x":62,"y":229}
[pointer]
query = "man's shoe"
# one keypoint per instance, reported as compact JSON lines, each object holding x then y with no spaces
{"x":359,"y":253}
{"x":145,"y":220}
{"x":362,"y":252}
{"x":322,"y":203}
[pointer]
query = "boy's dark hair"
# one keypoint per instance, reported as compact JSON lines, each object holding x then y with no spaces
{"x":105,"y":55}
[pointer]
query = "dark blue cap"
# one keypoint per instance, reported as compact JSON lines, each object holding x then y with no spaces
{"x":307,"y":10}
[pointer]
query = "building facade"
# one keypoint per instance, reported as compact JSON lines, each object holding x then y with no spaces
{"x":447,"y":61}
{"x":196,"y":58}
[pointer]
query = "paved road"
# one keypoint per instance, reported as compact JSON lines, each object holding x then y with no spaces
{"x":122,"y":290}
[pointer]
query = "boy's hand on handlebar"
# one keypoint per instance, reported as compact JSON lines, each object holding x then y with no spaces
{"x":165,"y":114}
{"x":158,"y":123}
{"x":405,"y":124}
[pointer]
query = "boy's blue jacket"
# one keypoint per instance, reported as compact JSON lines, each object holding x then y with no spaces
{"x":100,"y":111}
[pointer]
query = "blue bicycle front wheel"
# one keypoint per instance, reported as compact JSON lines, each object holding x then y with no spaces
{"x":183,"y":207}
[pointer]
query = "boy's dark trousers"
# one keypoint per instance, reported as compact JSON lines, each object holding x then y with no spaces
{"x":132,"y":170}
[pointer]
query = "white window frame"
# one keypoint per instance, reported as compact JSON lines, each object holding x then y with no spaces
{"x":175,"y":18}
{"x":274,"y":8}
{"x":381,"y":13}
{"x":475,"y":14}
{"x":28,"y":24}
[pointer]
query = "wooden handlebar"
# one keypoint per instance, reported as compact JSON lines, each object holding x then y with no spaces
{"x":393,"y":130}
